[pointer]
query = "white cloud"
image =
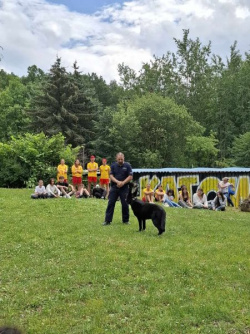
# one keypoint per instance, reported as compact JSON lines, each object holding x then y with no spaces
{"x":242,"y":12}
{"x":34,"y":32}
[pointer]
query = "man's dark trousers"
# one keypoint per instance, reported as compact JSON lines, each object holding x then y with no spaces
{"x":114,"y":193}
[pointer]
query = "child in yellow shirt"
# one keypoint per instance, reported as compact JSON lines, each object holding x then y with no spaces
{"x":104,"y":178}
{"x":77,"y":173}
{"x":62,"y":170}
{"x":148,"y":194}
{"x":92,"y":167}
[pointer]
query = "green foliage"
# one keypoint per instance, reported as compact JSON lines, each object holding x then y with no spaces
{"x":35,"y":75}
{"x":230,"y":109}
{"x":5,"y":79}
{"x":106,"y":118}
{"x":14,"y":99}
{"x":107,"y":94}
{"x":63,"y":272}
{"x":128,"y":76}
{"x":151,"y":131}
{"x":104,"y":144}
{"x":25,"y":159}
{"x":62,"y":105}
{"x":214,"y":93}
{"x":201,"y":151}
{"x":186,"y":76}
{"x":241,"y":150}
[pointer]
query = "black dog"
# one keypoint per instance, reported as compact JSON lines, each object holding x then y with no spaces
{"x":145,"y":211}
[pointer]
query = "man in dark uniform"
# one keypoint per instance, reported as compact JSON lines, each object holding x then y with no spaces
{"x":120,"y":174}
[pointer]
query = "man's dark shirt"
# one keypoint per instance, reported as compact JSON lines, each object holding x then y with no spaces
{"x":120,"y":172}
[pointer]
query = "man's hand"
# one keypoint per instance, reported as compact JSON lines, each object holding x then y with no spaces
{"x":120,"y":184}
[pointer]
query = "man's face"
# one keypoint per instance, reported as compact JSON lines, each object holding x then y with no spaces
{"x":120,"y":159}
{"x":40,"y":183}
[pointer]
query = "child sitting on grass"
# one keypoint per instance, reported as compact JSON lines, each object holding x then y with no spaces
{"x":219,"y":203}
{"x":40,"y":191}
{"x":168,"y":199}
{"x":64,"y":187}
{"x":52,"y":190}
{"x":148,"y":194}
{"x":82,"y":192}
{"x":159,"y":194}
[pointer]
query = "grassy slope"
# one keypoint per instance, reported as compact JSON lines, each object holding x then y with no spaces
{"x":63,"y":272}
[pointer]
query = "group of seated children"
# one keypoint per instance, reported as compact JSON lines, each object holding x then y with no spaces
{"x":184,"y":201}
{"x":61,"y":189}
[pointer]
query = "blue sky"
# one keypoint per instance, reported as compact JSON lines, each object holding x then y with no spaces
{"x":86,"y":6}
{"x":100,"y":34}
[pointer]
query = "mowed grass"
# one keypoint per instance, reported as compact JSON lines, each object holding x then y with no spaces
{"x":63,"y":272}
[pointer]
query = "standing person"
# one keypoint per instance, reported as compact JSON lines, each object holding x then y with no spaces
{"x":184,"y":199}
{"x":148,"y":194}
{"x":104,"y":178}
{"x":40,"y":191}
{"x":120,"y":174}
{"x":224,"y":186}
{"x":200,"y":200}
{"x":62,"y":170}
{"x":159,"y":194}
{"x":231,"y":191}
{"x":77,"y":173}
{"x":52,"y":190}
{"x":92,"y":167}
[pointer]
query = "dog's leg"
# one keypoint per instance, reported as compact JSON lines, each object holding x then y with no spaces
{"x":144,"y":224}
{"x":140,"y":224}
{"x":157,"y":224}
{"x":159,"y":220}
{"x":163,"y":222}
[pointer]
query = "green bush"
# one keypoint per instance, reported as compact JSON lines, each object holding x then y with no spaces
{"x":25,"y":159}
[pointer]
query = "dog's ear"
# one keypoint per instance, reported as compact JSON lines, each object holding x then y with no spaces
{"x":135,"y":188}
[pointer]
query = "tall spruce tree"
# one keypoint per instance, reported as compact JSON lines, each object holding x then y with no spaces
{"x":63,"y":105}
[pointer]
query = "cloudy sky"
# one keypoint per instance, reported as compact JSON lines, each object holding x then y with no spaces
{"x":100,"y":34}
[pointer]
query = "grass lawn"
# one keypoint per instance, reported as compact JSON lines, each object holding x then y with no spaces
{"x":63,"y":272}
